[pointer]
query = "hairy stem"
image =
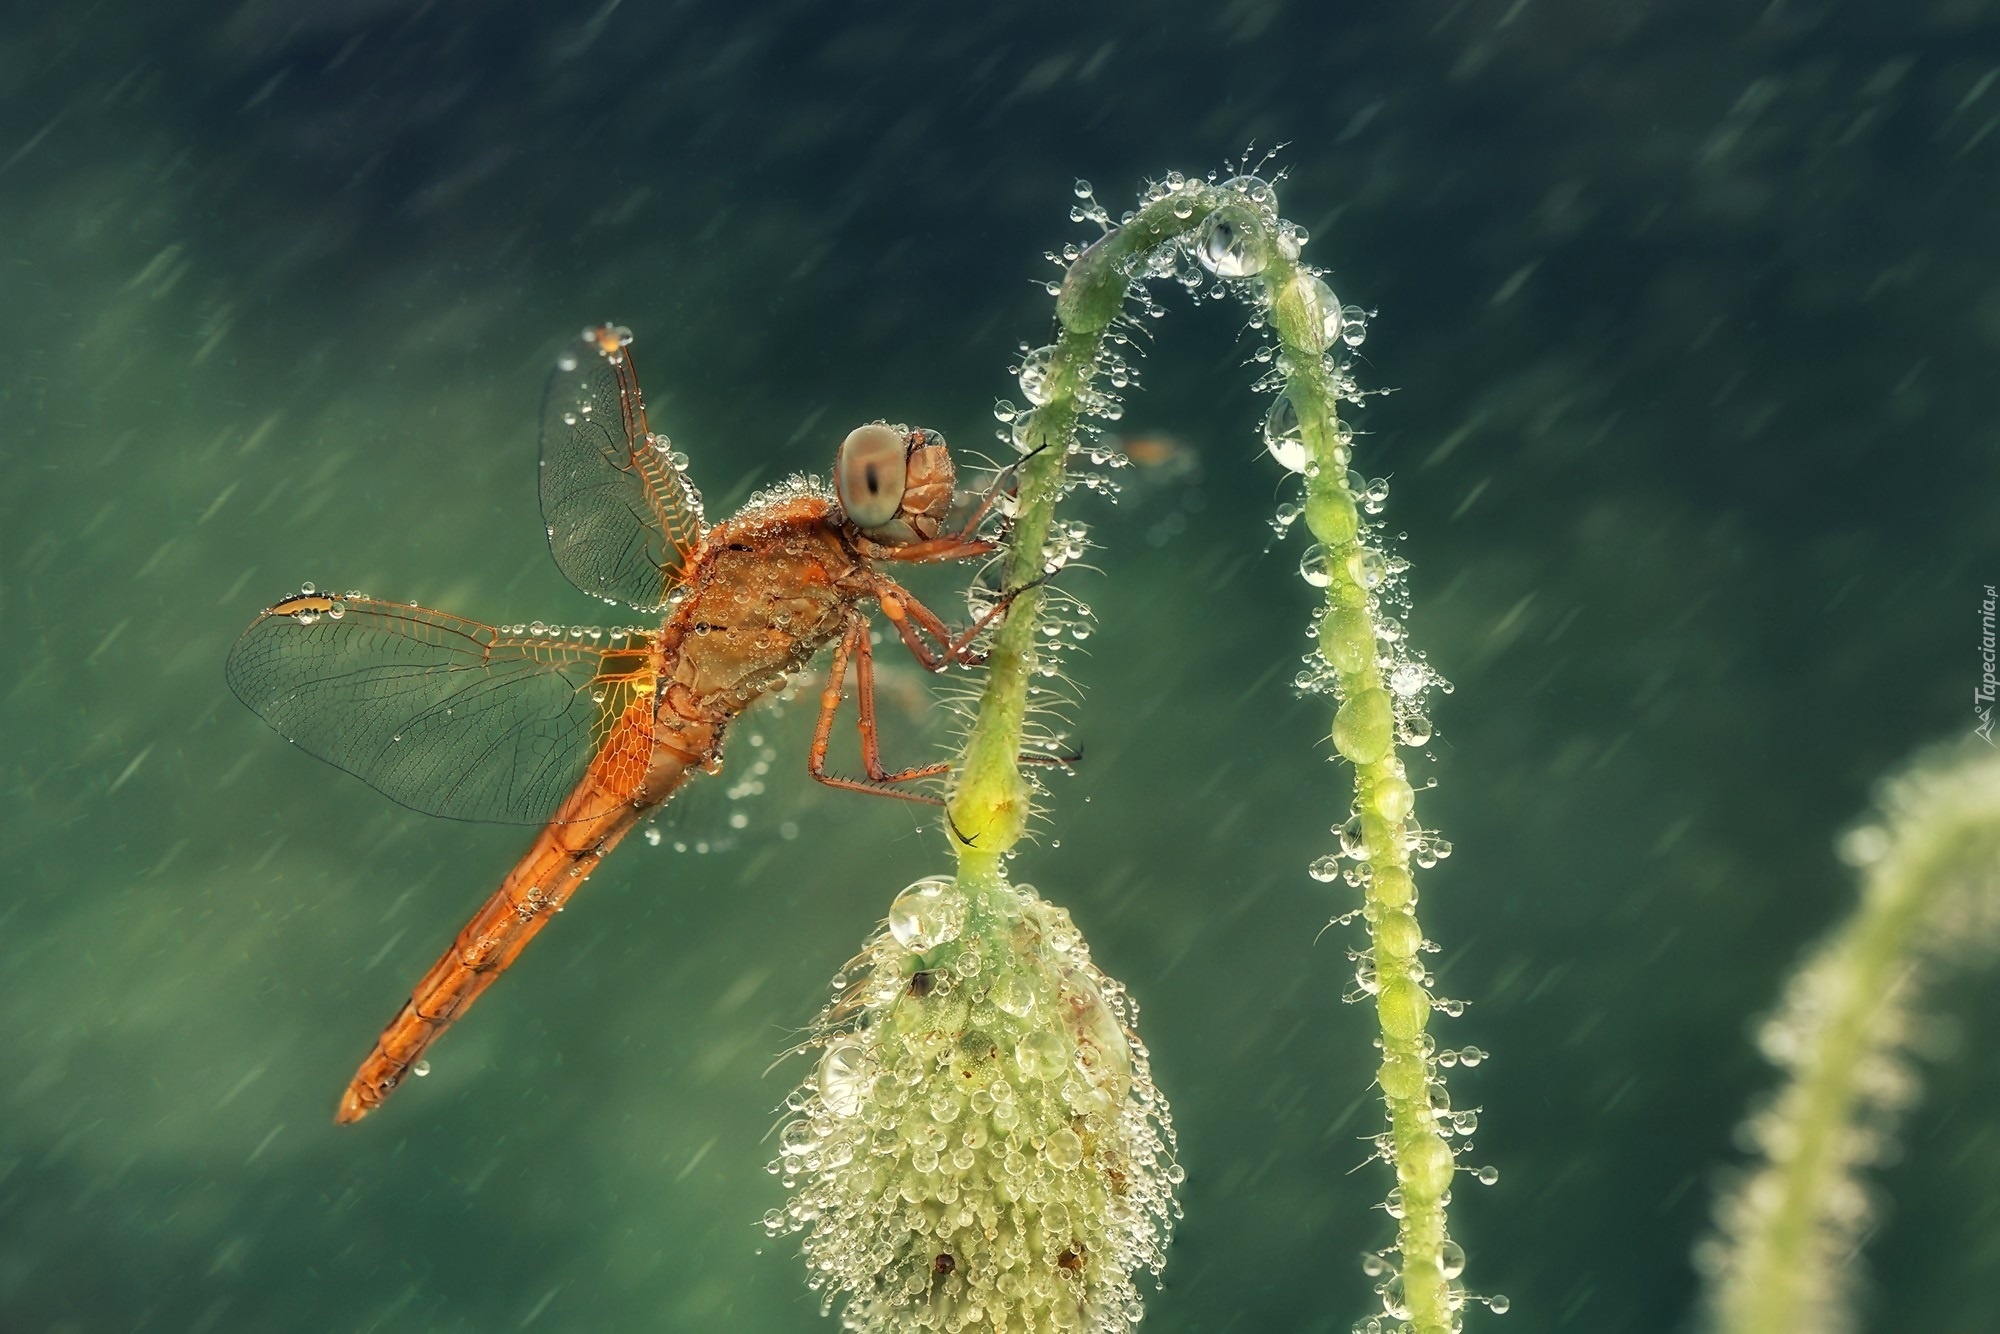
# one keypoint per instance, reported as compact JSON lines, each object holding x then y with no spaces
{"x":992,"y":800}
{"x":1930,"y":899}
{"x":1364,"y":732}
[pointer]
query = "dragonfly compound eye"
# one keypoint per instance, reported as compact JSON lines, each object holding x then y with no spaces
{"x":869,"y":475}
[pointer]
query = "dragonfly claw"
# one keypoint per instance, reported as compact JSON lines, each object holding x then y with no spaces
{"x":970,"y":841}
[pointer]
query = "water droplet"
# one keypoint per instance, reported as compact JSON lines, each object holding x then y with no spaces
{"x":1325,"y":869}
{"x":1351,"y":841}
{"x":1015,"y":995}
{"x":1328,"y":305}
{"x":420,"y":1069}
{"x":1082,"y":188}
{"x":843,"y":1079}
{"x":1228,"y":246}
{"x":1283,"y":436}
{"x":1255,"y":189}
{"x":1499,"y":1304}
{"x":1487,"y":1175}
{"x":1366,"y":567}
{"x":1035,"y":374}
{"x":1041,"y":1054}
{"x":308,"y":587}
{"x":796,"y":1138}
{"x":1321,"y":309}
{"x":1353,"y":326}
{"x":927,"y":914}
{"x":1065,"y":1149}
{"x":1452,"y":1259}
{"x":1312,"y":566}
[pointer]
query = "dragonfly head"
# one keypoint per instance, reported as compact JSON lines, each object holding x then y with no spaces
{"x":895,"y":485}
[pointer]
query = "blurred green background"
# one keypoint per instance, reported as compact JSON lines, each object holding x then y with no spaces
{"x":1692,"y":311}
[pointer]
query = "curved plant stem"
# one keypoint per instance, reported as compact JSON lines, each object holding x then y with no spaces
{"x":1930,"y":898}
{"x":1235,"y":230}
{"x":1364,"y":732}
{"x":992,"y":800}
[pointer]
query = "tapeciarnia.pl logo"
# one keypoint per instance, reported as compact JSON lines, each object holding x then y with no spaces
{"x":1982,"y":694}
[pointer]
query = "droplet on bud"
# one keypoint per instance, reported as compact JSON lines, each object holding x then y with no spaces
{"x":927,"y":914}
{"x":842,"y":1078}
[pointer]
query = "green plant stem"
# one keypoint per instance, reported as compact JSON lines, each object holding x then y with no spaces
{"x":1930,"y":897}
{"x":1364,"y":732}
{"x":991,"y":803}
{"x":992,"y":800}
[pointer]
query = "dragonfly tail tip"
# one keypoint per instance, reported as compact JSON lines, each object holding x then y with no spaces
{"x":352,"y":1109}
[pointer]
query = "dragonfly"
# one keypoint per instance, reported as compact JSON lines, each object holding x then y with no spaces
{"x":585,"y":733}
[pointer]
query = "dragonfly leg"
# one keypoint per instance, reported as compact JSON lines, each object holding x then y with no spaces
{"x":1006,"y":482}
{"x":902,"y":608}
{"x":908,"y":615}
{"x":864,"y":703}
{"x":854,"y":645}
{"x":937,"y":550}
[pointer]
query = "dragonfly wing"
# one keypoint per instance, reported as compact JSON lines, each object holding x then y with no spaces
{"x":445,"y":715}
{"x":622,"y":516}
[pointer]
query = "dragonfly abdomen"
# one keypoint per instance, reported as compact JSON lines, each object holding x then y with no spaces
{"x":561,"y":858}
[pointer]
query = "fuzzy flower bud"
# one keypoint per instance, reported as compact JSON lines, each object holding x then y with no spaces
{"x":980,"y":1145}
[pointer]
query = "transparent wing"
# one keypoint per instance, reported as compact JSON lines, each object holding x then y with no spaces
{"x":445,"y":715}
{"x":622,"y":517}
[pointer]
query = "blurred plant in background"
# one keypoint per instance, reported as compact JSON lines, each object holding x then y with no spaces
{"x":1783,"y":1261}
